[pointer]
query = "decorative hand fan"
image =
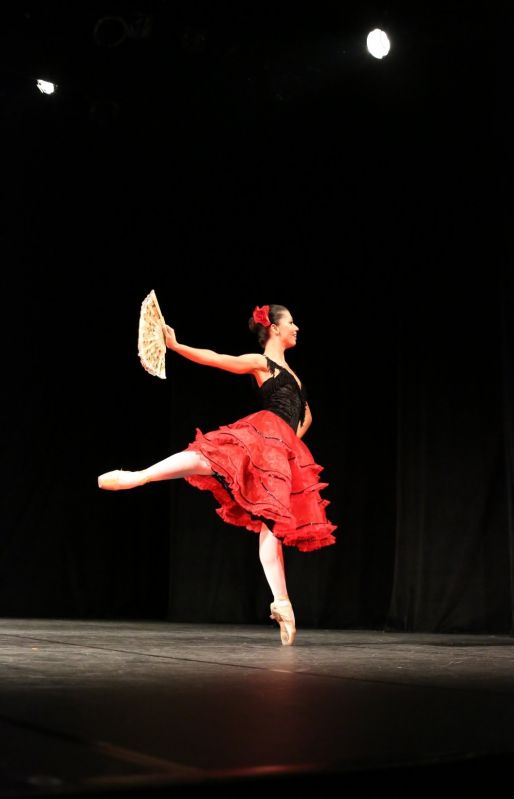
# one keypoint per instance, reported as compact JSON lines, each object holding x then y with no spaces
{"x":151,"y":342}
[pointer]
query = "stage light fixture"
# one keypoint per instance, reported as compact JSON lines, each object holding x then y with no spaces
{"x":378,"y":43}
{"x":45,"y":86}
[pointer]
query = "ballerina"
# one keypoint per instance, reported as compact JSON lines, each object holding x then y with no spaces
{"x":258,"y":468}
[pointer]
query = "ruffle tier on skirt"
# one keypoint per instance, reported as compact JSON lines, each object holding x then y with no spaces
{"x":264,"y":472}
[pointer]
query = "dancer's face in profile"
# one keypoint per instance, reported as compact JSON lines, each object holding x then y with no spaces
{"x":287,"y":330}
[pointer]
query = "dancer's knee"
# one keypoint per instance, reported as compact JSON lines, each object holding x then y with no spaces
{"x":270,"y":548}
{"x":200,"y":464}
{"x":268,"y":559}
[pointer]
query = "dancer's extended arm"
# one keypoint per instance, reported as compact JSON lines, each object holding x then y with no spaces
{"x":239,"y":364}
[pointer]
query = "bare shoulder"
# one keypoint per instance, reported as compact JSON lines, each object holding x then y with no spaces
{"x":254,"y":362}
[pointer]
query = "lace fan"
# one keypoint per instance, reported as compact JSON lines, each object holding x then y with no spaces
{"x":151,"y":342}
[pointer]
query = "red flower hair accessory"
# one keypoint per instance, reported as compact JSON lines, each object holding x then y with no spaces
{"x":260,"y":316}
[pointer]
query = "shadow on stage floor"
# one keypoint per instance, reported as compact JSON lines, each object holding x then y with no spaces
{"x":158,"y":709}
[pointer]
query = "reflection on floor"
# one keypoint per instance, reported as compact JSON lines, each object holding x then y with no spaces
{"x":149,"y":708}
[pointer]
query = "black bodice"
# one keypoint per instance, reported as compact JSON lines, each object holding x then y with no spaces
{"x":282,"y":395}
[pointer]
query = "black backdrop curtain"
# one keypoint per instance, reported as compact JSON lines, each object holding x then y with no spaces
{"x":369,"y":197}
{"x":508,"y":420}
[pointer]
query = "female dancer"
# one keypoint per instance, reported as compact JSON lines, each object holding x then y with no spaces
{"x":258,"y":469}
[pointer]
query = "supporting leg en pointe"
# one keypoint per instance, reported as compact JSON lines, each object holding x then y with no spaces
{"x":272,"y":559}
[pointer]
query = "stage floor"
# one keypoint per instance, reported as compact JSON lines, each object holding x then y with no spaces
{"x":146,"y":708}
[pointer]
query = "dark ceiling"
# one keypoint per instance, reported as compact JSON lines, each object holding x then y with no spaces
{"x":187,"y":125}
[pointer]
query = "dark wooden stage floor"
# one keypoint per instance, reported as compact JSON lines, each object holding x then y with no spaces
{"x":145,"y":708}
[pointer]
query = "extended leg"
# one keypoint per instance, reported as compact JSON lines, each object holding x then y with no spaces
{"x":272,"y":560}
{"x":182,"y":464}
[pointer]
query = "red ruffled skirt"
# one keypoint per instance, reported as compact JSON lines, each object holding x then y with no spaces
{"x":264,"y":472}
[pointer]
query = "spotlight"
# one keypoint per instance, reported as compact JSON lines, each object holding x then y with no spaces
{"x":45,"y":86}
{"x":378,"y":43}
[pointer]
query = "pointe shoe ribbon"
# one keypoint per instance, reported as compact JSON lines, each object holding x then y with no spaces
{"x":117,"y":480}
{"x":282,"y":612}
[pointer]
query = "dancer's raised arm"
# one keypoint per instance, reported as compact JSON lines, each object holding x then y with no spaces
{"x":239,"y":364}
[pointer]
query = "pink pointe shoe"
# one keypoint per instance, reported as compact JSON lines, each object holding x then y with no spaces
{"x":118,"y":480}
{"x":282,"y":612}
